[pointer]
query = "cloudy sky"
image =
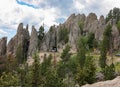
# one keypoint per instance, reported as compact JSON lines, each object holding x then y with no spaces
{"x":49,"y":12}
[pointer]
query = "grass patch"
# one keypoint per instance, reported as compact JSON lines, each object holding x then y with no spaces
{"x":117,"y":67}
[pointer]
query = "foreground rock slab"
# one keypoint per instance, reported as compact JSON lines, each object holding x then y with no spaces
{"x":110,"y":83}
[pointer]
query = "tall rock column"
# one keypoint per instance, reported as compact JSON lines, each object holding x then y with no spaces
{"x":33,"y":46}
{"x":3,"y":42}
{"x":20,"y":40}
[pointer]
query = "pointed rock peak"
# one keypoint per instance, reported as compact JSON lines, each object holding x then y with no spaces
{"x":33,"y":30}
{"x":27,"y":32}
{"x":33,"y":42}
{"x":101,"y":18}
{"x":80,"y":15}
{"x":71,"y":17}
{"x":20,"y":28}
{"x":33,"y":27}
{"x":27,"y":27}
{"x":3,"y":43}
{"x":4,"y":38}
{"x":92,"y":16}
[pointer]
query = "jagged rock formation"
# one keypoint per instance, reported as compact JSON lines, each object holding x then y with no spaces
{"x":74,"y":32}
{"x":3,"y":44}
{"x":115,"y":37}
{"x":100,"y":28}
{"x":33,"y":46}
{"x":49,"y":39}
{"x":90,"y":25}
{"x":74,"y":29}
{"x":20,"y":39}
{"x":110,"y":83}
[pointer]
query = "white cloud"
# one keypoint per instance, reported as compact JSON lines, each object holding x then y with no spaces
{"x":78,"y":5}
{"x":12,"y":13}
{"x":89,"y":1}
{"x":3,"y":32}
{"x":106,"y":5}
{"x":100,"y":7}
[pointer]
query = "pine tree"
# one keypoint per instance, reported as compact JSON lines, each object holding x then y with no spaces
{"x":63,"y":34}
{"x":36,"y":78}
{"x":11,"y":63}
{"x":109,"y":72}
{"x":91,"y":40}
{"x":63,"y":68}
{"x":52,"y":79}
{"x":105,"y":46}
{"x":85,"y":72}
{"x":90,"y":69}
{"x":65,"y":54}
{"x":40,"y":35}
{"x":81,"y":51}
{"x":80,"y":76}
{"x":9,"y":79}
{"x":81,"y":24}
{"x":45,"y":65}
{"x":113,"y":14}
{"x":19,"y":54}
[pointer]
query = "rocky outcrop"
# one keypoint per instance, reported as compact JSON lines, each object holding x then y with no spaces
{"x":115,"y":37}
{"x":100,"y":28}
{"x":3,"y":46}
{"x":50,"y":39}
{"x":20,"y":39}
{"x":33,"y":46}
{"x":90,"y":25}
{"x":74,"y":30}
{"x":110,"y":83}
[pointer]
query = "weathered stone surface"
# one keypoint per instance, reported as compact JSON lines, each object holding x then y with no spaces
{"x":110,"y":83}
{"x":74,"y":36}
{"x":100,"y":28}
{"x":91,"y":25}
{"x":11,"y":45}
{"x":33,"y":46}
{"x":116,"y":37}
{"x":70,"y":19}
{"x":90,"y":21}
{"x":50,"y":39}
{"x":20,"y":39}
{"x":3,"y":46}
{"x":75,"y":31}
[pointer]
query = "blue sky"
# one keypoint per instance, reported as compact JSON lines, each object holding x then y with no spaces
{"x":49,"y":12}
